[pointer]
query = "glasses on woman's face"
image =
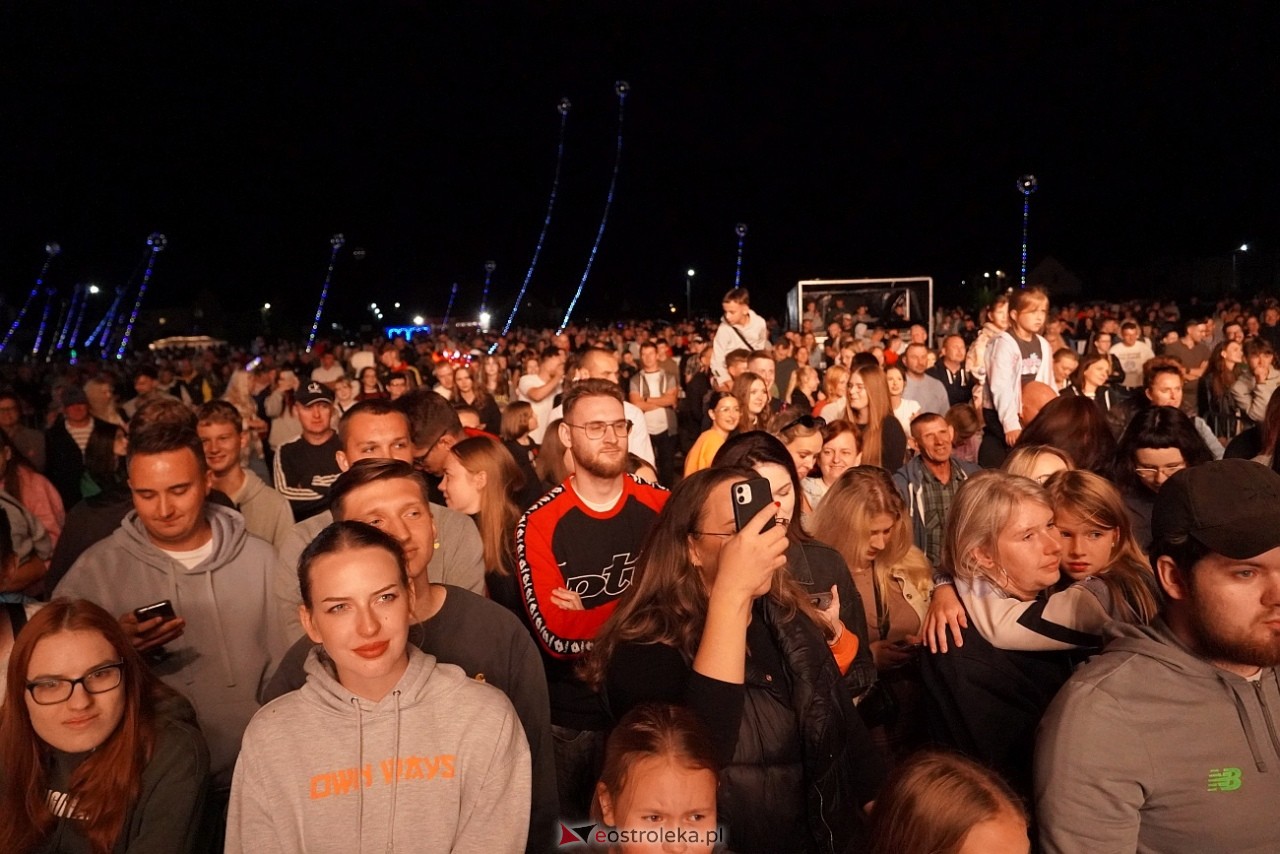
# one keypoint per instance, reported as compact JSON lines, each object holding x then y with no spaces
{"x":47,"y":692}
{"x":1168,"y":470}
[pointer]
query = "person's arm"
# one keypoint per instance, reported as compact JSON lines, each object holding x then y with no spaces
{"x":252,"y":814}
{"x":1088,"y":760}
{"x":1069,"y":619}
{"x":1205,"y":433}
{"x":1004,"y":384}
{"x":538,"y":393}
{"x":1252,"y":396}
{"x":495,"y":807}
{"x":169,"y":809}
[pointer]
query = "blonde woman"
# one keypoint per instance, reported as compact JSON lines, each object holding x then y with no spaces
{"x":863,"y":517}
{"x":834,"y":386}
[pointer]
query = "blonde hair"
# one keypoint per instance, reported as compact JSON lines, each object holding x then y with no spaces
{"x":981,"y":508}
{"x":1022,"y":459}
{"x":835,"y":383}
{"x":843,"y":521}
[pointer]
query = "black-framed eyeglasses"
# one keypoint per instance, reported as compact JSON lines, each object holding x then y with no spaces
{"x":48,"y":692}
{"x":712,"y":534}
{"x":807,"y":421}
{"x":596,"y":429}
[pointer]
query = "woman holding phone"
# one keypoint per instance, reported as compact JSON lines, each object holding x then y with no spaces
{"x":710,"y":622}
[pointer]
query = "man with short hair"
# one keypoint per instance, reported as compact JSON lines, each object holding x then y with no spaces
{"x":1133,"y":353}
{"x":576,"y":551}
{"x":222,"y":645}
{"x":1192,"y":353}
{"x":329,"y":371}
{"x":443,"y":373}
{"x":925,"y":390}
{"x":65,"y":441}
{"x":146,"y":384}
{"x":539,"y":390}
{"x":377,"y":429}
{"x":784,"y":356}
{"x":456,"y":625}
{"x":655,"y":392}
{"x":305,"y":467}
{"x":740,"y":328}
{"x":950,"y":370}
{"x":1167,"y":741}
{"x":267,"y":514}
{"x":930,"y":480}
{"x":597,"y":363}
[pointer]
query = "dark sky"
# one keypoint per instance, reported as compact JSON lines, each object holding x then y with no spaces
{"x":854,"y":139}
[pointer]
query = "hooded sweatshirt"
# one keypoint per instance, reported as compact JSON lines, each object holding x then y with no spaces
{"x":1151,"y":748}
{"x":439,"y":764}
{"x":266,"y":512}
{"x":231,"y":641}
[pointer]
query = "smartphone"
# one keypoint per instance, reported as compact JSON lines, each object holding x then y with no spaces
{"x":906,"y":645}
{"x":821,"y":601}
{"x":749,"y":498}
{"x":163,"y":608}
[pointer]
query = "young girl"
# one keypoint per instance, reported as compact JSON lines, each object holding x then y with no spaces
{"x":726,"y":414}
{"x":518,"y":420}
{"x":753,"y":401}
{"x":482,"y":481}
{"x":96,"y":753}
{"x":382,"y":748}
{"x":660,"y":773}
{"x":884,"y":442}
{"x":903,"y":410}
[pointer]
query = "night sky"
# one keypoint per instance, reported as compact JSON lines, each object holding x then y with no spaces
{"x":853,"y":139}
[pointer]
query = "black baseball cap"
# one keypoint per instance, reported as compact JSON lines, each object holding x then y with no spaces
{"x":1231,"y":507}
{"x":313,"y":392}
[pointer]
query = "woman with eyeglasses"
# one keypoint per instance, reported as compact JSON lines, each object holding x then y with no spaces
{"x":96,"y":753}
{"x":1159,"y":442}
{"x":713,"y":622}
{"x":726,"y":414}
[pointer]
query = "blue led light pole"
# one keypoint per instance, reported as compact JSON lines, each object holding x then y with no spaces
{"x":51,"y":251}
{"x":1027,"y":185}
{"x":563,"y":108}
{"x":741,"y":231}
{"x":335,"y":244}
{"x":621,"y":88}
{"x":157,"y":242}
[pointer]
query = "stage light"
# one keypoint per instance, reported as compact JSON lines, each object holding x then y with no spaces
{"x":484,"y":321}
{"x":418,"y":320}
{"x":94,"y":289}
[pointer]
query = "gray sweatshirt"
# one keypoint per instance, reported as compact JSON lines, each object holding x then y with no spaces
{"x":440,"y":764}
{"x":1150,"y":748}
{"x":232,"y":641}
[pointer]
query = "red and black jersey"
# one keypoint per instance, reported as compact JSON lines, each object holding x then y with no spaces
{"x":561,"y":542}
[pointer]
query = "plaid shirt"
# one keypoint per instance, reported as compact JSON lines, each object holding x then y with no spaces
{"x":937,"y":497}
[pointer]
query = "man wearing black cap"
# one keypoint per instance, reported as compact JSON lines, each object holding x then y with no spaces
{"x":1170,"y":740}
{"x":306,"y":467}
{"x":66,"y":440}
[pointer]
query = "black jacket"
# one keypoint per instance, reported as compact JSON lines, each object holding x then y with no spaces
{"x":816,"y":567}
{"x":799,"y":763}
{"x":65,"y":461}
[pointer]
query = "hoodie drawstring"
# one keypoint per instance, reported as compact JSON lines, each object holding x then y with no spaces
{"x":222,"y":637}
{"x":1247,"y":725}
{"x":355,"y":701}
{"x":395,"y":781}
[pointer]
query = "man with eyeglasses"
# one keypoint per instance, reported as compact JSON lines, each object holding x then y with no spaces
{"x":576,"y":550}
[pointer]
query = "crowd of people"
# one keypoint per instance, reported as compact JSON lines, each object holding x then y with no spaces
{"x":992,"y":584}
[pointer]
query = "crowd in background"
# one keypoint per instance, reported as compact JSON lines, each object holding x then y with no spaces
{"x":860,"y":585}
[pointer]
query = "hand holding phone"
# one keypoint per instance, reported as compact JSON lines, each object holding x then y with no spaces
{"x":152,"y":626}
{"x":749,"y":498}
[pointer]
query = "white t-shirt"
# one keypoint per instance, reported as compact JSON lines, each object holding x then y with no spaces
{"x":655,"y":420}
{"x":193,"y":557}
{"x":541,"y":408}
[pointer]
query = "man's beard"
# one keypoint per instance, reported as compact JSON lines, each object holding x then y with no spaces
{"x":1233,"y":647}
{"x":602,"y":466}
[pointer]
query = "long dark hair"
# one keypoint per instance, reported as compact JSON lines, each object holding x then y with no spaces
{"x":107,"y":783}
{"x":667,"y":600}
{"x":17,"y":459}
{"x":747,"y":450}
{"x":1076,"y":425}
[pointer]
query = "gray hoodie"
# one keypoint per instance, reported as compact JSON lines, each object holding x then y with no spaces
{"x":232,"y":639}
{"x":1151,"y":748}
{"x":439,"y":764}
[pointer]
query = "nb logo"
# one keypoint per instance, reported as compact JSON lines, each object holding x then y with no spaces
{"x":1224,"y":779}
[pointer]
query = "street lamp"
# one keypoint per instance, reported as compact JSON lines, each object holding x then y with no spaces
{"x":1235,"y":283}
{"x":688,"y":292}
